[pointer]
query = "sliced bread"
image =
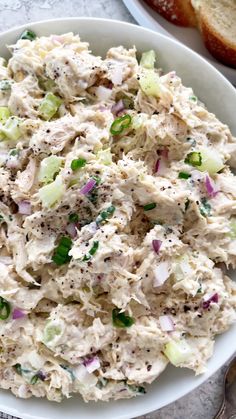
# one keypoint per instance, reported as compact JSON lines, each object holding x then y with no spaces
{"x":179,"y":12}
{"x":217,"y":22}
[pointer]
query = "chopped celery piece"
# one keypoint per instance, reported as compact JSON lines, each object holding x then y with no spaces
{"x":48,"y":84}
{"x":49,"y":167}
{"x":51,"y":331}
{"x":150,"y":83}
{"x":148,"y":59}
{"x":11,"y":128}
{"x":105,"y":157}
{"x":211,"y":161}
{"x":52,"y":193}
{"x":177,"y":352}
{"x":232,"y":225}
{"x":138,"y":121}
{"x":49,"y":106}
{"x":4,"y":114}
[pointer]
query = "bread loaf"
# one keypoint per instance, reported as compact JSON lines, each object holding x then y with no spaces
{"x":217,"y":22}
{"x":179,"y":12}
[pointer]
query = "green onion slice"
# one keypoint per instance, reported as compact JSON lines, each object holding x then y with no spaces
{"x":5,"y":309}
{"x":105,"y":214}
{"x":61,"y":253}
{"x":194,"y":158}
{"x":92,"y":251}
{"x":150,"y":206}
{"x":184,"y":175}
{"x":118,"y":126}
{"x":73,"y":218}
{"x":77,"y":164}
{"x":28,"y":34}
{"x":121,"y":319}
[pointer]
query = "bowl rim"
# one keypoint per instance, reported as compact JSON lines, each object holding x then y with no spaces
{"x":33,"y":25}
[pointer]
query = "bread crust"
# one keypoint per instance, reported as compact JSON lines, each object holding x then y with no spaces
{"x":216,"y":44}
{"x":179,"y":12}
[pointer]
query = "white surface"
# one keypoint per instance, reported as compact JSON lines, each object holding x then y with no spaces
{"x":191,"y":37}
{"x":213,"y":89}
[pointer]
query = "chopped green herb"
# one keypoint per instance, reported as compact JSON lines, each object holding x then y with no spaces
{"x":61,"y":254}
{"x":194,"y":158}
{"x":73,"y":218}
{"x":193,"y":98}
{"x":150,"y":206}
{"x":5,"y":309}
{"x":77,"y":164}
{"x":105,"y":214}
{"x":28,"y":34}
{"x":92,"y":251}
{"x":184,"y":175}
{"x":1,"y":219}
{"x":199,"y":291}
{"x":205,"y":208}
{"x":120,"y":319}
{"x":118,"y":126}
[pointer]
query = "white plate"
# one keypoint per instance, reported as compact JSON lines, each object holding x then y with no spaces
{"x":191,"y":37}
{"x":213,"y":89}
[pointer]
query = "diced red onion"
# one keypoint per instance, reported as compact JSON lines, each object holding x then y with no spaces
{"x":24,"y":208}
{"x":161,"y":163}
{"x":210,"y":187}
{"x":18,"y":314}
{"x":118,"y":107}
{"x":6,"y":260}
{"x":157,"y":166}
{"x":212,"y":299}
{"x":161,"y":274}
{"x":164,"y":153}
{"x":71,"y":230}
{"x":92,"y":364}
{"x":41,"y":375}
{"x":166,"y":323}
{"x":103,"y":93}
{"x":156,"y":244}
{"x":88,"y":187}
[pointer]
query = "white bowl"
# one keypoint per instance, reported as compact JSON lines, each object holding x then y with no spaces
{"x":220,"y":97}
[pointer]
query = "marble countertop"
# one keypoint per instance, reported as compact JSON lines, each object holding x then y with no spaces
{"x":202,"y":403}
